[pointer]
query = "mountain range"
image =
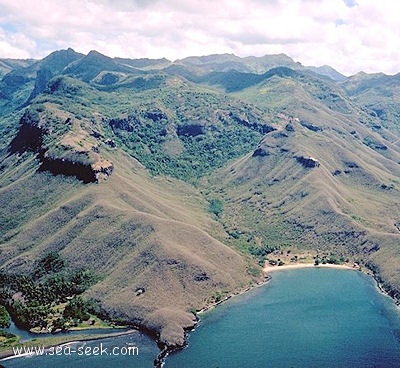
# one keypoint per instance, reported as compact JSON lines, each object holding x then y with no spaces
{"x":162,"y":187}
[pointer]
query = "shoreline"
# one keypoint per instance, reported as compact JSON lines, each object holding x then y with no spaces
{"x":9,"y":354}
{"x":256,"y":285}
{"x":159,"y":361}
{"x":267,"y":278}
{"x":166,"y":350}
{"x":293,"y":266}
{"x":161,"y":357}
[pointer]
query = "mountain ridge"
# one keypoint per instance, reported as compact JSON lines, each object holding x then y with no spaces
{"x":183,"y":178}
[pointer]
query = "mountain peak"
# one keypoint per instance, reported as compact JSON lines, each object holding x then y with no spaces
{"x":58,"y":60}
{"x":89,"y":66}
{"x":95,"y":53}
{"x":328,"y":71}
{"x":283,"y":160}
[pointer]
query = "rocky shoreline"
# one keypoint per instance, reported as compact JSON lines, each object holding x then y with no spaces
{"x":166,"y":348}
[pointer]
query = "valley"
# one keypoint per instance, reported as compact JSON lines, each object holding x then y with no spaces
{"x":152,"y":189}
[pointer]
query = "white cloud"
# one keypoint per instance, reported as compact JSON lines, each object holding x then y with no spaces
{"x":345,"y":34}
{"x":16,"y":45}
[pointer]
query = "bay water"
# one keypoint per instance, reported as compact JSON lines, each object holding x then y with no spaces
{"x":301,"y":318}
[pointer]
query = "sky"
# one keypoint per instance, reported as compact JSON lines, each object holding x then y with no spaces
{"x":349,"y":35}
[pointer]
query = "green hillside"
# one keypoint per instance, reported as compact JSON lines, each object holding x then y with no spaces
{"x":142,"y":191}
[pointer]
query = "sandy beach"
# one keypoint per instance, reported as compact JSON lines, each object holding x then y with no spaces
{"x":268,"y":268}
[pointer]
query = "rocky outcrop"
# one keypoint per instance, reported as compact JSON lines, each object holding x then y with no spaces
{"x":87,"y":166}
{"x":88,"y":173}
{"x":169,"y":327}
{"x":43,"y":76}
{"x":61,"y":166}
{"x":191,"y":130}
{"x":102,"y":170}
{"x":155,"y":115}
{"x":128,"y":124}
{"x":385,"y":286}
{"x":310,"y":126}
{"x":289,"y":127}
{"x":249,"y":123}
{"x":30,"y":134}
{"x":260,"y":152}
{"x":308,"y":162}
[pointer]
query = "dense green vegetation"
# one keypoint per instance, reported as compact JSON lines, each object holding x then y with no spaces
{"x":260,"y":253}
{"x":31,"y":299}
{"x":187,"y":139}
{"x":4,"y":317}
{"x":215,"y":206}
{"x":156,"y":124}
{"x":50,"y":263}
{"x":238,"y":129}
{"x":7,"y":339}
{"x":77,"y":308}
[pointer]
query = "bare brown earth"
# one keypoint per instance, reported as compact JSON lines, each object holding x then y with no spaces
{"x":139,"y":233}
{"x":314,"y":184}
{"x":323,"y":179}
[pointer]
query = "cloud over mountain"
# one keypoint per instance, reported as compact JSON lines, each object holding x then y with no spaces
{"x":349,"y":35}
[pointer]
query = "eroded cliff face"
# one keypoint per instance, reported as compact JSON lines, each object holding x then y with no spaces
{"x":30,"y":134}
{"x":63,"y":147}
{"x":88,"y":173}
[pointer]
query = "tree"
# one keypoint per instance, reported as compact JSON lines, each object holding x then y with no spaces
{"x":215,"y":207}
{"x":4,"y":317}
{"x":50,"y":263}
{"x":77,"y":308}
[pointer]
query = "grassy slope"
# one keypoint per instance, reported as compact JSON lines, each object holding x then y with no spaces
{"x":136,"y":232}
{"x":273,"y":200}
{"x":147,"y":232}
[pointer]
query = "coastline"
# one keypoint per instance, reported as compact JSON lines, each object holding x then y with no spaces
{"x":301,"y":295}
{"x":365,"y":271}
{"x":166,"y":350}
{"x":268,"y":268}
{"x":160,"y":359}
{"x":215,"y":304}
{"x":58,"y":341}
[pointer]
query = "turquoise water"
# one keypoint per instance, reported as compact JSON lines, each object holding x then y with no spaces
{"x":302,"y":318}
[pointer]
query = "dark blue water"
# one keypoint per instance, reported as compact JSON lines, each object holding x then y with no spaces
{"x":302,"y":318}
